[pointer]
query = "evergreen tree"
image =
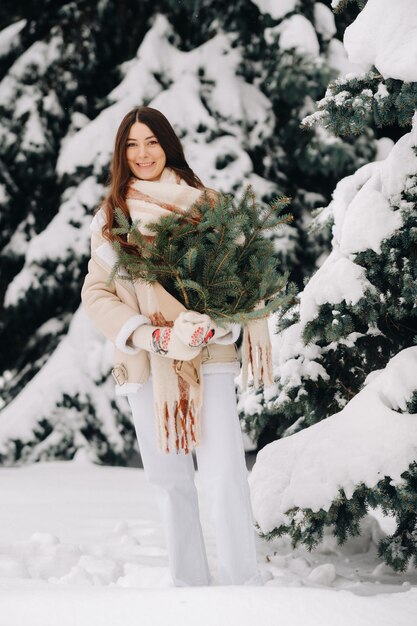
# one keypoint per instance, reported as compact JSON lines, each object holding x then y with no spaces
{"x":342,"y":341}
{"x":292,"y":61}
{"x":358,"y":311}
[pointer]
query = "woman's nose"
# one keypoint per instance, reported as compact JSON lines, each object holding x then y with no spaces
{"x":141,"y":151}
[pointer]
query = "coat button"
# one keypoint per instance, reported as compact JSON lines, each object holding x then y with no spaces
{"x":119,"y":373}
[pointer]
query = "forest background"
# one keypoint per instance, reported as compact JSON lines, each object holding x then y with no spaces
{"x":235,"y":82}
{"x":261,"y":92}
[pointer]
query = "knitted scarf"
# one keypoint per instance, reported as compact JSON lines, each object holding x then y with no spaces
{"x":178,"y":385}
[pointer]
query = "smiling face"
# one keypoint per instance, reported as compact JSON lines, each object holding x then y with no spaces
{"x":145,"y":155}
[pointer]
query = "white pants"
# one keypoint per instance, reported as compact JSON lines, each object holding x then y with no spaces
{"x":224,"y":478}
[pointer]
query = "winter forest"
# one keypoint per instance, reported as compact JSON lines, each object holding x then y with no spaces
{"x":310,"y":100}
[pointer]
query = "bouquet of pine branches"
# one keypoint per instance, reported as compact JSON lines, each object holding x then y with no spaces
{"x":213,"y":259}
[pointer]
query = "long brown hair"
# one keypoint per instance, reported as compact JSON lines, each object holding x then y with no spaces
{"x":120,"y":172}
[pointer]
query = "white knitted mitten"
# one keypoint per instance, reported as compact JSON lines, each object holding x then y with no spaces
{"x":257,"y":352}
{"x":198,"y":329}
{"x":164,"y":341}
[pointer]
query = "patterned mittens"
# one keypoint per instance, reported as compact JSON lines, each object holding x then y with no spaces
{"x":163,"y":340}
{"x":183,"y":341}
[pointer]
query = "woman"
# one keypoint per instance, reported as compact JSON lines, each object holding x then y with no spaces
{"x":174,"y":365}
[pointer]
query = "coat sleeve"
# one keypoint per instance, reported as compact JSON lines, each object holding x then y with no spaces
{"x":113,"y":317}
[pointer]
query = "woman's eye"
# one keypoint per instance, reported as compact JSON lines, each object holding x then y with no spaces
{"x":153,"y":142}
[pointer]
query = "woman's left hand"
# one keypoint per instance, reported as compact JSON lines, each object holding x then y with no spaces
{"x":197,"y":329}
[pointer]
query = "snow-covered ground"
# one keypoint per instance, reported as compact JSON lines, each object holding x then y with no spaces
{"x":83,"y":545}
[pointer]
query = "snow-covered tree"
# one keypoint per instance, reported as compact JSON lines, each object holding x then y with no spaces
{"x":235,"y":83}
{"x":348,"y":348}
{"x":337,"y":337}
{"x":292,"y":61}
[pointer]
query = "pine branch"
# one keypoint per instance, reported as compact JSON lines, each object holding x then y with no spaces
{"x":260,"y":228}
{"x":196,"y":257}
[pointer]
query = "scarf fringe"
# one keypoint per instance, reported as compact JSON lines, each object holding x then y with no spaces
{"x":181,"y":428}
{"x":257,"y":355}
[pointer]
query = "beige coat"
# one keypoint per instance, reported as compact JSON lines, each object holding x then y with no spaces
{"x":115,"y":310}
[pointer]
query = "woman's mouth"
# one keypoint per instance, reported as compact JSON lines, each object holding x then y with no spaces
{"x":145,"y":164}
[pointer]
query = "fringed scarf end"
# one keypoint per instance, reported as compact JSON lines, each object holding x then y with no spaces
{"x":257,"y":354}
{"x":177,"y":427}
